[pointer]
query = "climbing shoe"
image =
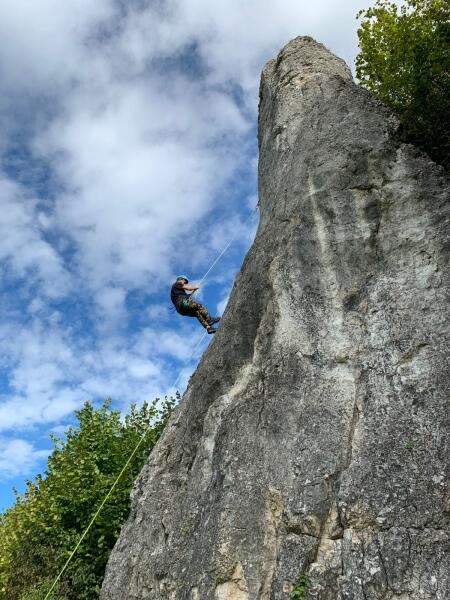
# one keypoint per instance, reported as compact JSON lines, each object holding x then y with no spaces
{"x":214,"y":320}
{"x":211,"y":329}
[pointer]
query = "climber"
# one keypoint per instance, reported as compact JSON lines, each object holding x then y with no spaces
{"x":185,"y":305}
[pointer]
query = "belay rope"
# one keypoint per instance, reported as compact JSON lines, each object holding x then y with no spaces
{"x":138,"y":445}
{"x":112,"y":488}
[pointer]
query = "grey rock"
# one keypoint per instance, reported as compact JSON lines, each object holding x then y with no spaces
{"x":313,"y":436}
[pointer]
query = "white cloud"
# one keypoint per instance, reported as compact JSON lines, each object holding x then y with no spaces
{"x":111,"y":301}
{"x":18,"y":457}
{"x":159,"y":312}
{"x":52,"y":371}
{"x":24,"y":252}
{"x":43,"y":41}
{"x":141,"y":147}
{"x":142,"y":179}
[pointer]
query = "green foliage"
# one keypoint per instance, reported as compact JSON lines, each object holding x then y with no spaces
{"x":298,"y":593}
{"x":405,"y":61}
{"x":39,"y":592}
{"x":38,"y":533}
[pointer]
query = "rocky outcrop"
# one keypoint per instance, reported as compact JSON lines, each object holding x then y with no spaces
{"x":312,"y":438}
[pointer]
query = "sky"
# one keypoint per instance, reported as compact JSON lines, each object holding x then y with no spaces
{"x":128,"y":155}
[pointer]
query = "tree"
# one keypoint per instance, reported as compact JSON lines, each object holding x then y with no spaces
{"x":405,"y":61}
{"x":38,"y":533}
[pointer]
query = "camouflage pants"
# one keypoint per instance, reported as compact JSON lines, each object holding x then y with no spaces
{"x":190,"y":308}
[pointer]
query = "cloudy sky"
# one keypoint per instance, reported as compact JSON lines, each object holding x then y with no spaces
{"x":127,"y":154}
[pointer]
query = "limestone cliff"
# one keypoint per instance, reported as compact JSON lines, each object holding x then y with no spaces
{"x":312,"y":437}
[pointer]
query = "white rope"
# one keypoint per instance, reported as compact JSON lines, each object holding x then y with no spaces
{"x":217,"y":259}
{"x":219,"y":256}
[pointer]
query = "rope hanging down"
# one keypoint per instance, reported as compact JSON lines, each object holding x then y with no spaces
{"x":113,"y":487}
{"x":138,"y":445}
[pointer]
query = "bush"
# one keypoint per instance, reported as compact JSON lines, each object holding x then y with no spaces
{"x":405,"y":61}
{"x":39,"y":532}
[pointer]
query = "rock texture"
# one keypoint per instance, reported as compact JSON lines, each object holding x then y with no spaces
{"x":312,"y":437}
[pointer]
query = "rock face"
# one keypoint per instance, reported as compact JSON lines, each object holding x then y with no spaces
{"x":312,"y":437}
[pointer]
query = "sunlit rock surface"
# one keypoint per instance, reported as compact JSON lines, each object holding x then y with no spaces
{"x":312,"y":437}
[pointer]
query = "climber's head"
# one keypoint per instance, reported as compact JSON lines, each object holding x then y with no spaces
{"x":183,"y":278}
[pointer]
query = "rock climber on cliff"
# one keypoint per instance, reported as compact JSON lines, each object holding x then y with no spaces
{"x":185,"y":305}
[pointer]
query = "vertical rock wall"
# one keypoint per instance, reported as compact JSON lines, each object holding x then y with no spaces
{"x":312,"y":437}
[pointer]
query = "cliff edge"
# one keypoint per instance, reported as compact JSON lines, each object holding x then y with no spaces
{"x":312,"y":437}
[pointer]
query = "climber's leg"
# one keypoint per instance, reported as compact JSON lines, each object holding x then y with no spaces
{"x":201,"y":312}
{"x":191,"y":308}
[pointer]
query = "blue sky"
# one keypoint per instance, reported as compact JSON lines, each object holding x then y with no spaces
{"x":128,"y":154}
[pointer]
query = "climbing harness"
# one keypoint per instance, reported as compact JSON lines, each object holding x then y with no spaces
{"x":138,"y":445}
